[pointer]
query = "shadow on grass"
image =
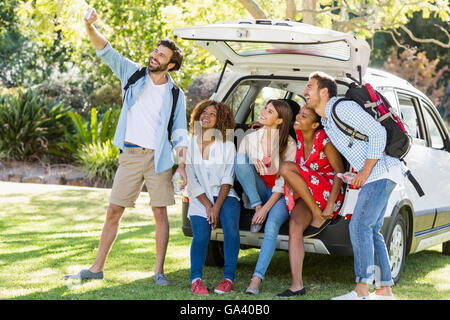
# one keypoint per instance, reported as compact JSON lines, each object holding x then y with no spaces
{"x":58,"y":211}
{"x":141,"y":289}
{"x":324,"y":277}
{"x":76,"y":218}
{"x":65,"y":243}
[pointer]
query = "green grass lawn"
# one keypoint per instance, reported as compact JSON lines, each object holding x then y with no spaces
{"x":47,"y":231}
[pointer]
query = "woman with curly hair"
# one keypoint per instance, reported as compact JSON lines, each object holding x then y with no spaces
{"x":209,"y":167}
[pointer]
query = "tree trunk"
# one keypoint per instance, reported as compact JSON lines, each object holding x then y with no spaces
{"x":254,"y":9}
{"x":309,"y":13}
{"x":291,"y":10}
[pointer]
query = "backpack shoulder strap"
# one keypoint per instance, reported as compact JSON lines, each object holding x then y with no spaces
{"x":175,"y":94}
{"x":135,"y":77}
{"x":345,"y":128}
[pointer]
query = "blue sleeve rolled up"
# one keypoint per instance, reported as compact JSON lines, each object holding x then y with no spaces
{"x":122,"y":67}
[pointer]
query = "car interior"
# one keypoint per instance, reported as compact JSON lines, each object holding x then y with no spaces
{"x":247,"y":98}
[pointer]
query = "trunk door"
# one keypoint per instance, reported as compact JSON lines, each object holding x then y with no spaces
{"x":268,"y":46}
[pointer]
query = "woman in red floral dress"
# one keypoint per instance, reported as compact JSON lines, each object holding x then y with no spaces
{"x":313,"y":191}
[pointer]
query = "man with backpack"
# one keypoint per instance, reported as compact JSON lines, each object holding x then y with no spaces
{"x":377,"y":176}
{"x":153,"y":113}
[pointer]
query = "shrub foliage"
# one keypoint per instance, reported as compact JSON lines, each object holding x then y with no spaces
{"x":30,"y":126}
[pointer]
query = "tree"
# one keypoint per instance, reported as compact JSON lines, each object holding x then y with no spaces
{"x":22,"y":61}
{"x":417,"y":26}
{"x":383,"y":45}
{"x":361,"y":17}
{"x":132,"y":27}
{"x":419,"y":71}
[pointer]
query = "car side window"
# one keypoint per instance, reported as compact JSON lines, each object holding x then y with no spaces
{"x":266,"y":94}
{"x":235,"y":99}
{"x":408,"y":107}
{"x":433,"y":129}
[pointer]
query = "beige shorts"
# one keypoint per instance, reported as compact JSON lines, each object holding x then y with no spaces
{"x":137,"y":165}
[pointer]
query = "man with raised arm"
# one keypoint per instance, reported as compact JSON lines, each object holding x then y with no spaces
{"x":146,"y":126}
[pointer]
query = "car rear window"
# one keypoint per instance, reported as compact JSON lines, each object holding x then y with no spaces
{"x":338,"y":50}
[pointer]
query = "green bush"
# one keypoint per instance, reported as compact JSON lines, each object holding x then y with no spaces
{"x":109,"y":94}
{"x":30,"y":126}
{"x":100,"y":161}
{"x":68,"y":95}
{"x":89,"y":132}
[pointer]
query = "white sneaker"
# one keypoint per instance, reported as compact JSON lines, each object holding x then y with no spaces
{"x":374,"y":296}
{"x":351,"y":296}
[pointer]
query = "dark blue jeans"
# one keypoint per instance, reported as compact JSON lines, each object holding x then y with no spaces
{"x":201,"y":229}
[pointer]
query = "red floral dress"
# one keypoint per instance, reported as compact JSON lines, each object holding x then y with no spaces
{"x":316,"y":171}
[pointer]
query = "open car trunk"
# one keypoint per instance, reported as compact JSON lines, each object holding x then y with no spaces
{"x":271,"y":46}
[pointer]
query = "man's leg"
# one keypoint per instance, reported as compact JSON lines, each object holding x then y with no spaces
{"x":366,"y":220}
{"x":161,"y":236}
{"x":110,"y":228}
{"x":125,"y":190}
{"x":384,"y":280}
{"x":160,"y":190}
{"x":109,"y":233}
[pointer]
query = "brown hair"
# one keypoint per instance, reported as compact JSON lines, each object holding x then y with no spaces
{"x":284,"y":112}
{"x":177,"y":54}
{"x":224,"y":118}
{"x":325,"y":81}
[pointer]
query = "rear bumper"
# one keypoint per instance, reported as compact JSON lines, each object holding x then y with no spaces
{"x":254,"y":240}
{"x":335,"y":239}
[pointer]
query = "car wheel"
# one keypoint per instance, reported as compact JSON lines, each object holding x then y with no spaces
{"x":396,"y":247}
{"x":214,"y":254}
{"x":446,"y":248}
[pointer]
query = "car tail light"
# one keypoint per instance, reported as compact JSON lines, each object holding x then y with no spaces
{"x":348,"y":216}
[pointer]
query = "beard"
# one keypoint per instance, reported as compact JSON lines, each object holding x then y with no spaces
{"x":158,"y":68}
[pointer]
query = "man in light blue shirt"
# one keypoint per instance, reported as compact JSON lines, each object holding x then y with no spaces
{"x":142,"y":136}
{"x":377,"y":177}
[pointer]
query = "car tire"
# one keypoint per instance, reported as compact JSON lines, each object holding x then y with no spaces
{"x":214,"y":254}
{"x":396,"y":247}
{"x":446,"y":248}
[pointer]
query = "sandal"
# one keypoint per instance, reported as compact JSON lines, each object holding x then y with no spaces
{"x":290,"y":293}
{"x":313,"y":231}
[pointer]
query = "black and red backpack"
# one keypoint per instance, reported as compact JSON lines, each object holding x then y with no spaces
{"x":398,"y":141}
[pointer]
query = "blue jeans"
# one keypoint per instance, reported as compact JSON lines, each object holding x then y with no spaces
{"x":258,"y":194}
{"x":371,"y":260}
{"x":201,"y":229}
